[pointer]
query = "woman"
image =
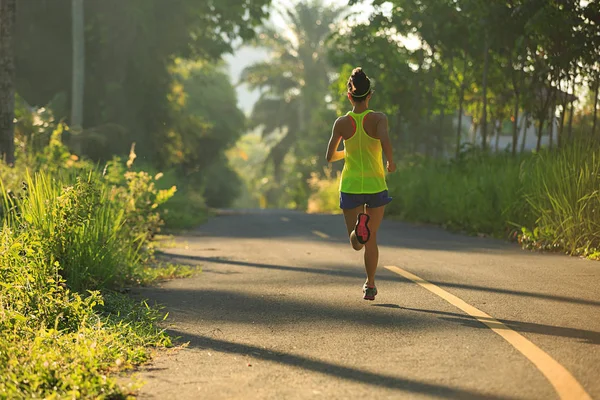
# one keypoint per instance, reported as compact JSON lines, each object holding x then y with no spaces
{"x":363,"y":189}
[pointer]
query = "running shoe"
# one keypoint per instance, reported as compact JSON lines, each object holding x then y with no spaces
{"x":369,"y":292}
{"x":362,"y":231}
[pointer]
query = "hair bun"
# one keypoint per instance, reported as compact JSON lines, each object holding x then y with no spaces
{"x":358,"y":72}
{"x":359,"y":84}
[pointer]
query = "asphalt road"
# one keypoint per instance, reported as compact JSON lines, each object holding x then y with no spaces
{"x":277,"y":313}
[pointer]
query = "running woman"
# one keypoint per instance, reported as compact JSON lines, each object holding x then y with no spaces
{"x":363,"y":189}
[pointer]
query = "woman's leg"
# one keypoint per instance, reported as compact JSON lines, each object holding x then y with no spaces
{"x":371,"y":248}
{"x":350,"y":217}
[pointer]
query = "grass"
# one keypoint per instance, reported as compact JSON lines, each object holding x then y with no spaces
{"x":71,"y":238}
{"x":476,"y":194}
{"x":58,"y":343}
{"x":563,"y":191}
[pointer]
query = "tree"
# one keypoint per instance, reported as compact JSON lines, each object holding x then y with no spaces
{"x":129,"y":48}
{"x":8,"y":14}
{"x":294,"y":83}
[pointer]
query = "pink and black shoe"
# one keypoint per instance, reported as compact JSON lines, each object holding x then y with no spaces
{"x":369,"y":292}
{"x":361,"y":230}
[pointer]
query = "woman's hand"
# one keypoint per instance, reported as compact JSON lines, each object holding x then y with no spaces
{"x":391,"y":166}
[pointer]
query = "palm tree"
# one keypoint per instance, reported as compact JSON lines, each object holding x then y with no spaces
{"x":8,"y":11}
{"x":295,"y":79}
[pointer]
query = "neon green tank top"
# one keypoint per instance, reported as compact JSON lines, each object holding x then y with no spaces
{"x":363,"y":171}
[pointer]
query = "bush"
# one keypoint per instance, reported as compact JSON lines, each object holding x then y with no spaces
{"x":71,"y":234}
{"x":549,"y":200}
{"x":563,"y":190}
{"x":95,"y":231}
{"x":476,"y":193}
{"x":56,"y":342}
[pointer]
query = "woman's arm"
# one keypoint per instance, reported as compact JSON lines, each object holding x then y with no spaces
{"x":386,"y":145}
{"x":333,"y":154}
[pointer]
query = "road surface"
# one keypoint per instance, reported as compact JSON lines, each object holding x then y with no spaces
{"x":277,"y":313}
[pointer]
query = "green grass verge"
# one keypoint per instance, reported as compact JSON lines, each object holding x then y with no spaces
{"x":70,"y":239}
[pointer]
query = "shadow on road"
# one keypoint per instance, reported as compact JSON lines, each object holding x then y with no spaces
{"x":383,"y":276}
{"x":339,"y":371}
{"x":347,"y":273}
{"x":585,"y":336}
{"x":544,"y":296}
{"x":278,"y":224}
{"x":273,"y":309}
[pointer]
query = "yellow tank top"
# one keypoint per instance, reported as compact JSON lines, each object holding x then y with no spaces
{"x":363,"y":171}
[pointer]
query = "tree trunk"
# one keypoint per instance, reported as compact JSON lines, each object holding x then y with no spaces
{"x":439,"y":148}
{"x":540,"y":130}
{"x":429,"y":131}
{"x":551,"y":118}
{"x":525,"y":129}
{"x":486,"y":63}
{"x":595,"y":106}
{"x":515,"y":137}
{"x":78,"y":73}
{"x":561,"y":126}
{"x":460,"y":115}
{"x":563,"y":111}
{"x":551,"y":130}
{"x":498,"y":126}
{"x":461,"y":101}
{"x":8,"y":13}
{"x":517,"y":87}
{"x":572,"y":111}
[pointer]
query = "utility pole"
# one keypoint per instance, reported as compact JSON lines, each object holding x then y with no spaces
{"x":78,"y":72}
{"x":8,"y":14}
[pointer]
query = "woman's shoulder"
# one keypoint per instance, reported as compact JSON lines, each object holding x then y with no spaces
{"x":376,"y":116}
{"x":344,"y":120}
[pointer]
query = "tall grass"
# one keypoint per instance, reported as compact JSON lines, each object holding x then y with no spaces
{"x":563,"y":190}
{"x":69,"y":236}
{"x":475,"y":193}
{"x":83,"y":230}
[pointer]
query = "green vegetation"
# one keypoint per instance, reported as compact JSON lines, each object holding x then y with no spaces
{"x":292,"y":112}
{"x":72,"y":236}
{"x":547,"y":201}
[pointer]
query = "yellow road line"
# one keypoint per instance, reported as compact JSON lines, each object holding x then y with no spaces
{"x":285,"y":219}
{"x":564,"y":383}
{"x":321,"y":234}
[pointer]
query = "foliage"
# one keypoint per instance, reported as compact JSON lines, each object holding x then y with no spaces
{"x":476,"y":194}
{"x":495,"y":61}
{"x":185,"y":210}
{"x":69,"y":232}
{"x":58,"y":343}
{"x":130,"y":48}
{"x":563,"y":191}
{"x":96,"y":229}
{"x":204,"y":104}
{"x":325,"y":193}
{"x":293,"y":105}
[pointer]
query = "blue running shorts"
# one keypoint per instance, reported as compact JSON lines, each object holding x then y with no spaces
{"x":349,"y":200}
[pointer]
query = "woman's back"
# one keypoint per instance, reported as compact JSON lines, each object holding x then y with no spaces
{"x":363,"y":171}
